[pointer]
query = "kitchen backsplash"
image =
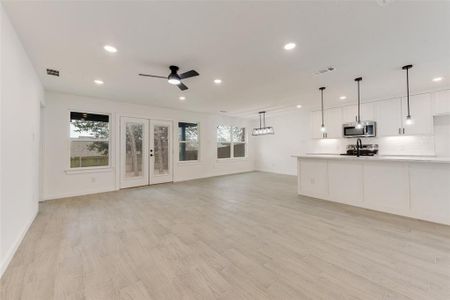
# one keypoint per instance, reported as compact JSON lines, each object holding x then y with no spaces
{"x":395,"y":145}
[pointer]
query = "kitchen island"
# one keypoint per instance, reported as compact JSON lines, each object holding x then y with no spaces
{"x":411,"y":186}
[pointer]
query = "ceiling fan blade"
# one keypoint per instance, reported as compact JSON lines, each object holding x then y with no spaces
{"x":188,"y":74}
{"x":182,"y":87}
{"x":154,"y":76}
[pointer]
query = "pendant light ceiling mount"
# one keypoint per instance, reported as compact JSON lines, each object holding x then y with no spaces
{"x":409,"y":120}
{"x":263,"y":129}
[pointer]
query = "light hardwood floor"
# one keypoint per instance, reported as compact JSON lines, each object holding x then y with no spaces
{"x":246,"y":236}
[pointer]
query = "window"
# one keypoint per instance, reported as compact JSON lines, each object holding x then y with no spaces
{"x":89,"y":140}
{"x":231,"y":142}
{"x":188,"y":137}
{"x":223,"y":141}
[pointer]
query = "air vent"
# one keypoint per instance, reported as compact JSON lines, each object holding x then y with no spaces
{"x":323,"y":71}
{"x":52,"y":72}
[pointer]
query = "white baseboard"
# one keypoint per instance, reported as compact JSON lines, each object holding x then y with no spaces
{"x":276,"y":172}
{"x":212,"y":175}
{"x":79,"y":193}
{"x":12,"y":250}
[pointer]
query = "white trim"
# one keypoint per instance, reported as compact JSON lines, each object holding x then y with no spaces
{"x":232,"y":157}
{"x":110,"y":137}
{"x":82,"y":170}
{"x":79,"y":193}
{"x":188,"y":162}
{"x":182,"y":162}
{"x":12,"y":250}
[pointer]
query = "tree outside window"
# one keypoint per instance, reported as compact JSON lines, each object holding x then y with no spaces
{"x":89,"y":140}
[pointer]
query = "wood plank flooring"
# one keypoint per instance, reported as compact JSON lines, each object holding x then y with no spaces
{"x":245,"y":236}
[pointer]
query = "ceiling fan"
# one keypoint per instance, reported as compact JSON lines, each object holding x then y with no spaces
{"x":175,"y":78}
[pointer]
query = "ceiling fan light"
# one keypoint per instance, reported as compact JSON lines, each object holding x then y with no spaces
{"x":174,"y":81}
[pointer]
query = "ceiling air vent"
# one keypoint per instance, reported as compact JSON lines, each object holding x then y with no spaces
{"x":52,"y":72}
{"x":323,"y":71}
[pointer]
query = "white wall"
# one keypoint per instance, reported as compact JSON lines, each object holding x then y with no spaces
{"x":58,"y":183}
{"x":273,"y":152}
{"x":20,"y":99}
{"x":442,"y":135}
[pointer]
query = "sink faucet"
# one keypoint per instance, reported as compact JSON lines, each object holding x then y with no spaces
{"x":358,"y":147}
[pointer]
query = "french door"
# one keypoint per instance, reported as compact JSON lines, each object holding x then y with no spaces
{"x":145,"y":152}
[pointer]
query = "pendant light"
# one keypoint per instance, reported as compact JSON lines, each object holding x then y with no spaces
{"x":322,"y":127}
{"x":409,"y":120}
{"x":263,"y":129}
{"x":358,"y":119}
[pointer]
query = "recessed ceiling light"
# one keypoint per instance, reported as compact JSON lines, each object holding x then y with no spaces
{"x":299,"y":106}
{"x":98,"y":82}
{"x":182,"y":98}
{"x":437,"y":79}
{"x":342,"y":97}
{"x":110,"y":49}
{"x":217,"y":81}
{"x":289,"y":46}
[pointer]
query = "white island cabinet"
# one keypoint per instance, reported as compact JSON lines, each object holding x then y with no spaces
{"x":417,"y":187}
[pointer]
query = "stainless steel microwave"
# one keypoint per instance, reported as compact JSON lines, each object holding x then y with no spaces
{"x":367,"y":129}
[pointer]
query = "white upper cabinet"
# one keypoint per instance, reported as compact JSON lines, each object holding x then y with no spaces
{"x":441,"y":103}
{"x":389,"y":117}
{"x":421,"y":114}
{"x":333,"y":123}
{"x":350,"y":113}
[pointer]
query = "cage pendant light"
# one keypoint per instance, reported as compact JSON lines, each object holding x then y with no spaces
{"x":408,"y":120}
{"x":358,"y":118}
{"x":263,"y":129}
{"x":322,"y":127}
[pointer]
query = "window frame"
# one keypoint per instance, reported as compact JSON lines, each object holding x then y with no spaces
{"x":69,"y":168}
{"x":188,"y":162}
{"x":232,"y":143}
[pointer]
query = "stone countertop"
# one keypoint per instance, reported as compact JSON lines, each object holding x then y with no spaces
{"x":427,"y":159}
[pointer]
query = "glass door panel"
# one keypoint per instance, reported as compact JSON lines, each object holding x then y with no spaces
{"x":160,"y":151}
{"x":134,"y":152}
{"x":134,"y":149}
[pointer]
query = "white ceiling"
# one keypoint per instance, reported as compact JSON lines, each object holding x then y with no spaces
{"x":239,"y":42}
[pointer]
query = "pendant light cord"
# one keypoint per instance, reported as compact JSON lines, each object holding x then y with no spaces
{"x":407,"y":67}
{"x":359,"y":99}
{"x":321,"y":104}
{"x":262,"y":119}
{"x":407,"y":92}
{"x":359,"y":103}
